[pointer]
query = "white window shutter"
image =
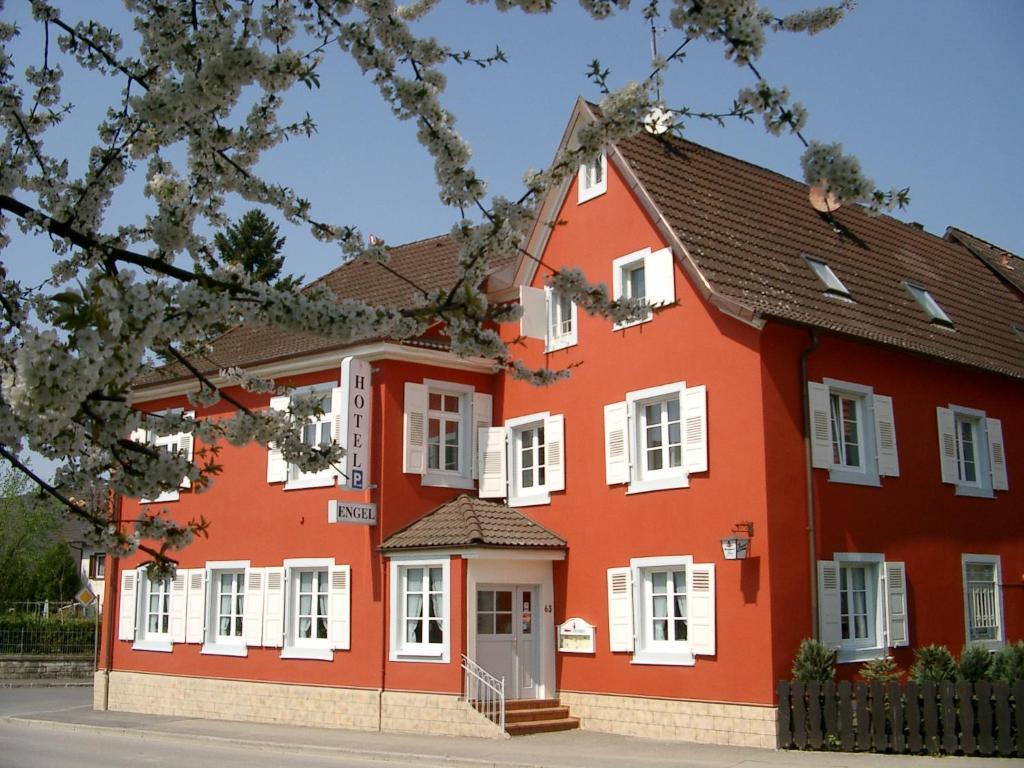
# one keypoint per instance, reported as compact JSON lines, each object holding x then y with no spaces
{"x":620,"y":609}
{"x":414,"y":431}
{"x":339,"y":606}
{"x":128,"y":604}
{"x":139,"y":436}
{"x":179,"y":604}
{"x":659,"y":269}
{"x":821,"y":427}
{"x":554,"y":452}
{"x":616,"y":443}
{"x":897,"y":626}
{"x":339,"y":427}
{"x":186,"y":445}
{"x":997,"y":455}
{"x":494,"y":462}
{"x":829,"y":631}
{"x":947,"y":445}
{"x":533,"y":324}
{"x":885,"y":437}
{"x":273,"y":607}
{"x":195,"y":616}
{"x":277,"y":467}
{"x":700,"y":620}
{"x":483,"y":405}
{"x":695,"y":408}
{"x":253,"y":607}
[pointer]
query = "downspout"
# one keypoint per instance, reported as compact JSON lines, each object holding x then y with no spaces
{"x":108,"y":618}
{"x":809,"y":478}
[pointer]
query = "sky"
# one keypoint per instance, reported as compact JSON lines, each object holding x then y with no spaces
{"x":924,"y":92}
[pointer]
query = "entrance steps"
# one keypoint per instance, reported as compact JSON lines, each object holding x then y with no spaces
{"x":525,"y":716}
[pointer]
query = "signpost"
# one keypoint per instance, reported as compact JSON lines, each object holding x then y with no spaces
{"x":355,"y":378}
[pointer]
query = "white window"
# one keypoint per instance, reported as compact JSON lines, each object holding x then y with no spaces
{"x":662,"y":609}
{"x":420,"y":609}
{"x":983,"y":600}
{"x":160,"y":616}
{"x":644,"y":275}
{"x":441,"y":426}
{"x":179,"y":443}
{"x":971,"y":452}
{"x":853,"y":433}
{"x":548,"y":315}
{"x":593,"y":179}
{"x":523,"y":461}
{"x":936,"y":314}
{"x":657,"y":438}
{"x":316,"y":609}
{"x":833,"y":285}
{"x":319,"y":430}
{"x":862,"y":601}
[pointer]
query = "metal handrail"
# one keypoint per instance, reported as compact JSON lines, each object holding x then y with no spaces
{"x":484,"y":692}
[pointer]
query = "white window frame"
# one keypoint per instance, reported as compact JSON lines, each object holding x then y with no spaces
{"x":555,"y":322}
{"x":463,"y":478}
{"x":213,"y":642}
{"x":305,"y":648}
{"x":146,"y":640}
{"x":587,"y":185}
{"x":517,"y":495}
{"x":862,"y":650}
{"x":641,"y":480}
{"x":161,"y":441}
{"x":936,"y":314}
{"x":834,"y":287}
{"x":863,"y":397}
{"x":989,"y":449}
{"x":400,"y":650}
{"x":621,"y":267}
{"x":982,"y":484}
{"x":995,"y":562}
{"x":647,"y":650}
{"x":326,"y":477}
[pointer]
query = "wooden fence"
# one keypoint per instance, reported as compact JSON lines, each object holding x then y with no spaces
{"x":939,"y":718}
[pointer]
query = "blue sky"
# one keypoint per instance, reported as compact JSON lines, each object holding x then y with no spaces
{"x":924,"y":92}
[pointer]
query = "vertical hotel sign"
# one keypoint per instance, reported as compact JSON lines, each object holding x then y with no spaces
{"x":355,"y":379}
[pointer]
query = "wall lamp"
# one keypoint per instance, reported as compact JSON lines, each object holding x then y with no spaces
{"x":737,"y":546}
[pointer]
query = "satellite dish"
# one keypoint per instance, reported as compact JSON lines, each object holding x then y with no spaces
{"x":821,"y":201}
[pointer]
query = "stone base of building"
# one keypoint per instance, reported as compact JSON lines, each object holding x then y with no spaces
{"x":739,"y":725}
{"x":288,"y":704}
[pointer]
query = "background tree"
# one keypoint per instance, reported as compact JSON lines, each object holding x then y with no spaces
{"x":254,"y":246}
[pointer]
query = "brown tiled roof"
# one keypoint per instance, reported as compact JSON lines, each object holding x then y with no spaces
{"x":467,"y":521}
{"x":748,"y":228}
{"x":1007,"y":265}
{"x":425,"y":264}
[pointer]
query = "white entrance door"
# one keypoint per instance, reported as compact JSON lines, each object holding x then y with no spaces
{"x":505,"y":636}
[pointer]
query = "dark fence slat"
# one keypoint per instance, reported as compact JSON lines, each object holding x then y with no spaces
{"x":879,"y":738}
{"x":931,"y":717}
{"x":950,"y":742}
{"x":862,"y":716}
{"x":783,"y":725}
{"x":1018,"y":698}
{"x":846,"y":715}
{"x":965,"y":696}
{"x":799,"y":715}
{"x":1004,"y":735}
{"x":913,"y":705}
{"x":897,"y":738}
{"x":986,"y":740}
{"x":814,"y":735}
{"x":831,"y":716}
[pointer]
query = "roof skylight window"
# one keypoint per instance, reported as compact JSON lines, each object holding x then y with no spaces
{"x":1019,"y":330}
{"x":833,"y":285}
{"x":931,"y":307}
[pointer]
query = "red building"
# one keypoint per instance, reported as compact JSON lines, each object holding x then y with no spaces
{"x":839,"y":389}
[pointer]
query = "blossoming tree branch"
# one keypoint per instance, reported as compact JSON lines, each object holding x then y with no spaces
{"x":202,"y":86}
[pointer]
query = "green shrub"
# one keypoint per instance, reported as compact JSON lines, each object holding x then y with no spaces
{"x":882,"y":670}
{"x":975,"y":664}
{"x":1008,"y":663}
{"x":52,"y":635}
{"x":933,"y":663}
{"x":814,"y":662}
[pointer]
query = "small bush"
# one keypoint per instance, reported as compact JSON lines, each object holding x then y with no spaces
{"x":934,"y":664}
{"x":882,"y":670}
{"x":1008,"y":663}
{"x":975,"y":664}
{"x":814,"y":662}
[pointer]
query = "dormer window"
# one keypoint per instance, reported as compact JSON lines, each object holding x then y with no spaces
{"x":593,"y":178}
{"x":833,"y":285}
{"x":1019,"y":331}
{"x":931,"y":307}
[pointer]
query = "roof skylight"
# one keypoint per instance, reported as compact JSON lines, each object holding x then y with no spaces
{"x":935,"y":313}
{"x":833,"y":285}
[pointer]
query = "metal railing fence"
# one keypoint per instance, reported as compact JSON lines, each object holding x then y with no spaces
{"x":484,"y":691}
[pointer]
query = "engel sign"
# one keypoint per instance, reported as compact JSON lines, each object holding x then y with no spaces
{"x":344,"y":512}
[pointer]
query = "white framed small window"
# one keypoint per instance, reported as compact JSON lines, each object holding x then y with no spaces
{"x":983,"y":600}
{"x":646,"y":275}
{"x":316,"y":607}
{"x":833,"y":285}
{"x":593,"y":178}
{"x":446,"y":417}
{"x":524,"y":460}
{"x":179,"y":443}
{"x":420,"y":610}
{"x":853,"y":432}
{"x":318,"y":431}
{"x":155,"y":605}
{"x":862,"y":605}
{"x":971,"y":452}
{"x":936,"y":314}
{"x":562,"y":320}
{"x":441,"y":425}
{"x":225,"y":609}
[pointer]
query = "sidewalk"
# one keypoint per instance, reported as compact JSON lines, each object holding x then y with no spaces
{"x":569,"y":749}
{"x":49,"y":682}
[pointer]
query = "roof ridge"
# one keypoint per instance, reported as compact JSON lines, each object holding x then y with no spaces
{"x":989,"y":243}
{"x":353,"y":260}
{"x":476,"y":531}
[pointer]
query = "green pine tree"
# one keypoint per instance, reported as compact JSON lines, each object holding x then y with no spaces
{"x":254,"y":245}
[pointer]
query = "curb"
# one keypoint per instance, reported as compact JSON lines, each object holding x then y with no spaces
{"x":366,"y":754}
{"x":56,"y":683}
